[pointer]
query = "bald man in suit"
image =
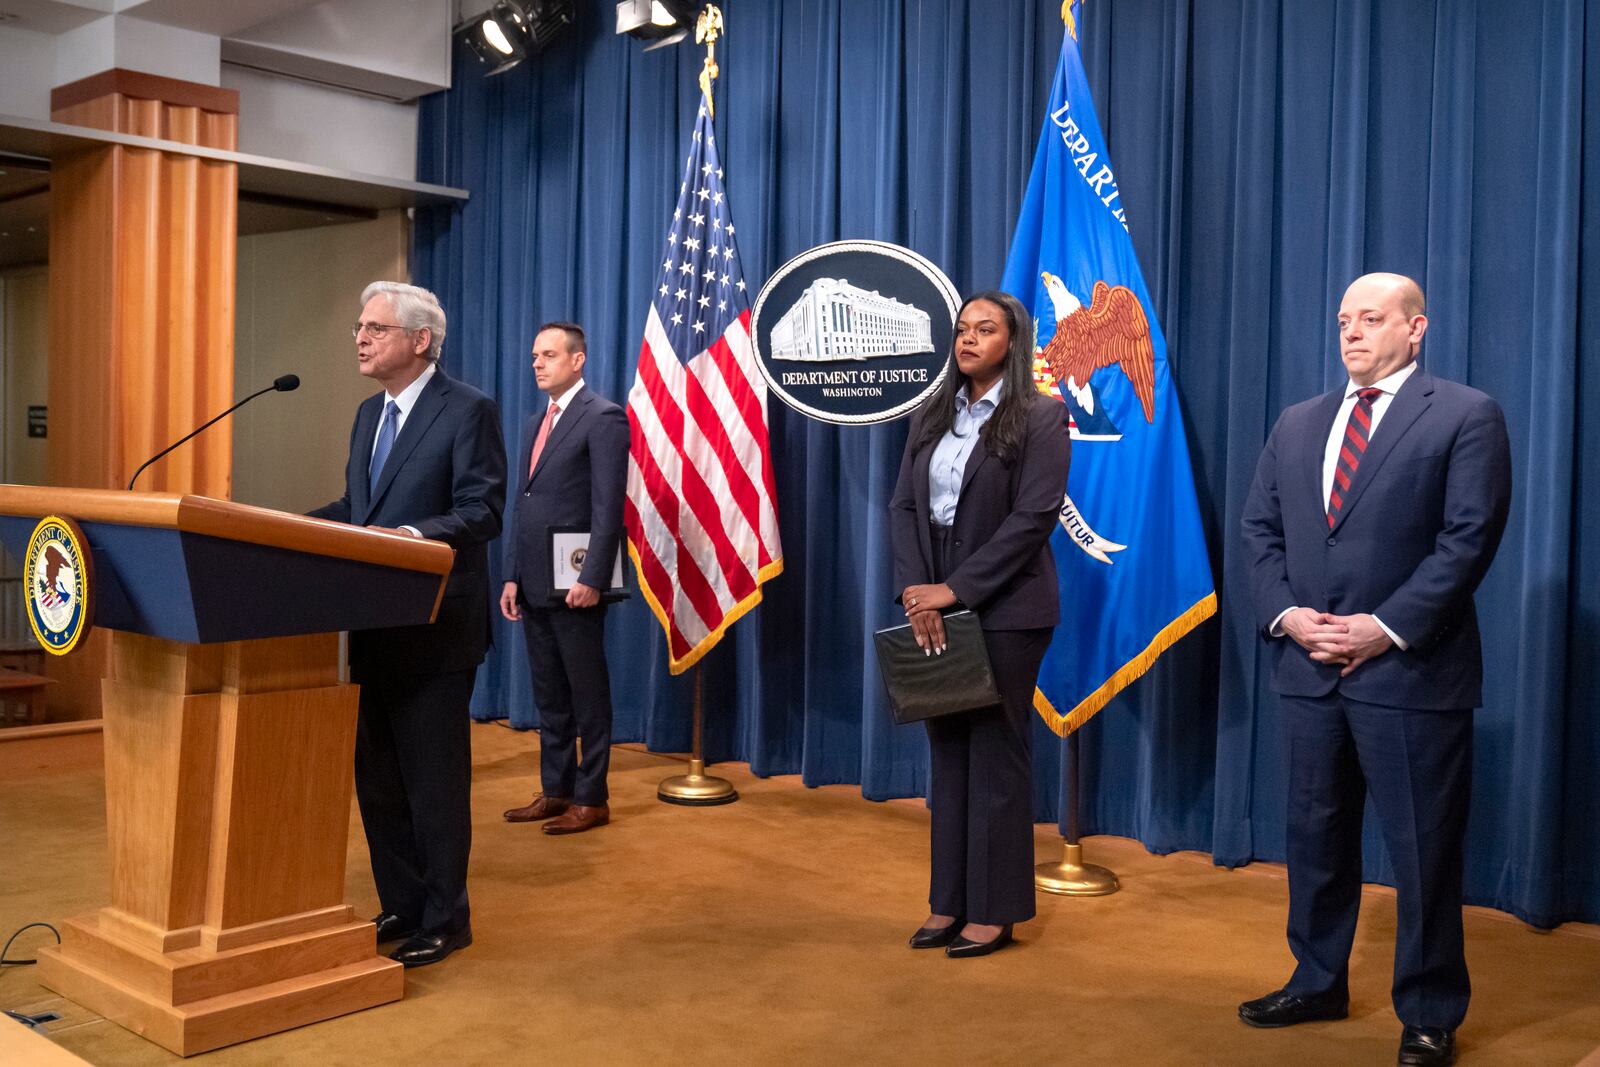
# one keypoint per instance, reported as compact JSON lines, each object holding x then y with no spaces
{"x":1375,"y":512}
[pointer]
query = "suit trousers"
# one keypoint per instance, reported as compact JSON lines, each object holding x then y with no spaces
{"x":414,"y":787}
{"x":566,"y":651}
{"x":1417,"y":766}
{"x":980,"y":786}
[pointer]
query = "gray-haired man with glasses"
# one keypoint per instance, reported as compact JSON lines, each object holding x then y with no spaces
{"x":427,"y":459}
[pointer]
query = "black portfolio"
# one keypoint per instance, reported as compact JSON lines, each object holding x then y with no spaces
{"x":922,"y":686}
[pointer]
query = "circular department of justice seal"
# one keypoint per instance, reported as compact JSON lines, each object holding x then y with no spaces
{"x":855,"y":332}
{"x":60,"y":584}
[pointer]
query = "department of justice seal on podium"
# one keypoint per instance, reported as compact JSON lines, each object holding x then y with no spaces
{"x":60,"y":584}
{"x":855,"y":332}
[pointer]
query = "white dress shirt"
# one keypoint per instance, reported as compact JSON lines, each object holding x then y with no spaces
{"x":564,"y":401}
{"x":1330,"y":452}
{"x":1330,"y":457}
{"x":405,"y":401}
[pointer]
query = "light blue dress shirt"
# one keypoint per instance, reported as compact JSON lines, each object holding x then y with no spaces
{"x":950,"y":455}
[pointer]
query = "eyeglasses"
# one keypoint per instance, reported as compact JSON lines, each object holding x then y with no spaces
{"x":377,"y":329}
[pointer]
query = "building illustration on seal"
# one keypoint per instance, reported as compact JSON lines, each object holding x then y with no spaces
{"x":835,"y":320}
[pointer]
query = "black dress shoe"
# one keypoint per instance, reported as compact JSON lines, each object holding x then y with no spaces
{"x":928,"y":937}
{"x":964,"y":947}
{"x":393,"y":928}
{"x":1427,"y":1046}
{"x":424,"y":949}
{"x":1283,"y":1008}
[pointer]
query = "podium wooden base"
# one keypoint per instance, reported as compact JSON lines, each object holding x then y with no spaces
{"x":196,"y":999}
{"x":228,"y":781}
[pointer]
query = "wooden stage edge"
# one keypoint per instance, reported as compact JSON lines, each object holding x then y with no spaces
{"x":51,"y":729}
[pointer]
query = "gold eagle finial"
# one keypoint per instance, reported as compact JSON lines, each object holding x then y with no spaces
{"x":707,"y":28}
{"x":1066,"y":16}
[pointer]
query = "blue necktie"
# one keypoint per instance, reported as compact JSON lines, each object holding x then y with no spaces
{"x":380,"y":454}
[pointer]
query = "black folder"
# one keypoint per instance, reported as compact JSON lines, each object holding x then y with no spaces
{"x":922,"y":686}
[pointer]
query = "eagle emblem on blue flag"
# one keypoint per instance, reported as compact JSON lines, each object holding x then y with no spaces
{"x":1111,"y":331}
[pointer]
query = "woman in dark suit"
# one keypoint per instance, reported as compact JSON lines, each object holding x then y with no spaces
{"x":980,"y":486}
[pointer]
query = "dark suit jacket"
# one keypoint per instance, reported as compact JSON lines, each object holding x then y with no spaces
{"x":1001,"y":564}
{"x":1418,"y":530}
{"x":581,"y":480}
{"x":446,"y":476}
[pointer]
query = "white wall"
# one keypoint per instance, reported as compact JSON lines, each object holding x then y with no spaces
{"x":298,"y":293}
{"x":331,"y":84}
{"x":27,"y":72}
{"x":349,"y":131}
{"x":396,"y":48}
{"x":134,"y":44}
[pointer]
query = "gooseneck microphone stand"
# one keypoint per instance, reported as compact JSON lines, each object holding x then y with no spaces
{"x":286,"y":384}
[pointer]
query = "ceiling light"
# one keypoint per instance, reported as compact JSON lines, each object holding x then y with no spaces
{"x":512,"y":30}
{"x":496,"y":37}
{"x":660,"y":22}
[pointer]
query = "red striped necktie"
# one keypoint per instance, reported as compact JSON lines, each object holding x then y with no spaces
{"x":1357,"y":432}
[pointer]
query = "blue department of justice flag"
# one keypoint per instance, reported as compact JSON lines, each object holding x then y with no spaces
{"x":1131,"y":554}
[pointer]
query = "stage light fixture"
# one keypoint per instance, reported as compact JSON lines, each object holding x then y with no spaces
{"x":510,"y":31}
{"x":660,"y":22}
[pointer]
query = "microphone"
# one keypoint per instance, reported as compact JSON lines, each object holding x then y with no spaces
{"x":287,"y":383}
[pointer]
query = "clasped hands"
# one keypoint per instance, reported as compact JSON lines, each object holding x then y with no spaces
{"x":1338,"y":640}
{"x":922,"y":604}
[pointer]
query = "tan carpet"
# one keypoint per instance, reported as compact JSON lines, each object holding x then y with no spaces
{"x":772,"y":931}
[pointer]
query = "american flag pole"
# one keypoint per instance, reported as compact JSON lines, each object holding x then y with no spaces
{"x":702,"y":526}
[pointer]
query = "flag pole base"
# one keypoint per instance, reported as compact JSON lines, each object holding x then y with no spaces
{"x":696,"y":789}
{"x":1074,"y":878}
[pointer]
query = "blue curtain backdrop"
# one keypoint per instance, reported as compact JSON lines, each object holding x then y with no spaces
{"x":1267,"y":153}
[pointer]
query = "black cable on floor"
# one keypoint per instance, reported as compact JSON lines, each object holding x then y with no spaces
{"x":24,"y":963}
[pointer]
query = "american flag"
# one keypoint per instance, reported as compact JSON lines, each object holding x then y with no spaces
{"x":702,"y":528}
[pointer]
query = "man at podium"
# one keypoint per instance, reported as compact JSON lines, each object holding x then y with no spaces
{"x":426,"y":459}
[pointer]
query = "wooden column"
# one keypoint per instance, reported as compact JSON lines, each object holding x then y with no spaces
{"x":228,"y":779}
{"x":142,"y":264}
{"x":143,"y":248}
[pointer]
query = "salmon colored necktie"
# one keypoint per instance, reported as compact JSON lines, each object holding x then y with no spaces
{"x":544,"y":435}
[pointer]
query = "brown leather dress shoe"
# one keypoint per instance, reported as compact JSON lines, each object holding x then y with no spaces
{"x":540,"y":807}
{"x":577,"y":819}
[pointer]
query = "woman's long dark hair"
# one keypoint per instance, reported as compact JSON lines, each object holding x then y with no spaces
{"x":1004,"y":432}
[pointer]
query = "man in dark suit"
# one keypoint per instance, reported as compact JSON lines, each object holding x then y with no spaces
{"x":1375,"y":512}
{"x":426,"y":459}
{"x":573,"y":474}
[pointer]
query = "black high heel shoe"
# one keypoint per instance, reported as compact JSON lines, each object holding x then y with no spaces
{"x":929,"y":937}
{"x":962,"y":947}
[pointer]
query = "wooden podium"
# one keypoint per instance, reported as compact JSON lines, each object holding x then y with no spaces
{"x":229,"y":743}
